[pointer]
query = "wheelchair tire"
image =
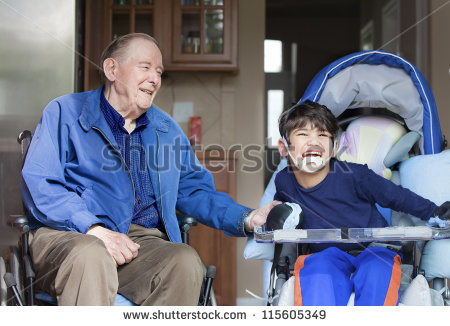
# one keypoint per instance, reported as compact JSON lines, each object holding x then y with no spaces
{"x":15,"y":268}
{"x":212,"y":298}
{"x":3,"y":288}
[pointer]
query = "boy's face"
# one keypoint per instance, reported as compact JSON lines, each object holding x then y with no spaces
{"x":310,"y":146}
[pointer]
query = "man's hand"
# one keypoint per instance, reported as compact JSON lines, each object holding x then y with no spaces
{"x":258,"y":216}
{"x":119,"y":245}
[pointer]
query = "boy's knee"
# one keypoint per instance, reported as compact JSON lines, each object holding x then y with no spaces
{"x":377,"y":260}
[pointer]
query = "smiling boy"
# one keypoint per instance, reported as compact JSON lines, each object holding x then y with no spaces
{"x":335,"y":194}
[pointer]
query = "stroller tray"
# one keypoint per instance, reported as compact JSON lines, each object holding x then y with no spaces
{"x":352,"y":235}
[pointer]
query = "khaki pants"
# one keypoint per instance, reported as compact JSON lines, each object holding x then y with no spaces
{"x":77,"y":269}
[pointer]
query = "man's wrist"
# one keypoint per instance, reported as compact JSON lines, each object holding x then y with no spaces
{"x":247,"y":218}
{"x":93,"y":229}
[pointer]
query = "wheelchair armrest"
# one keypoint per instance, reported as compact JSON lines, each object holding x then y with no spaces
{"x":19,"y":221}
{"x":26,"y":134}
{"x":186,"y":222}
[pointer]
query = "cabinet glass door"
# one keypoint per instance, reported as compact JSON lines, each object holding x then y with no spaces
{"x":203,"y":35}
{"x":190,"y":2}
{"x":129,"y":16}
{"x":190,"y":31}
{"x":144,"y":22}
{"x":213,"y":31}
{"x":143,"y":2}
{"x":120,"y":24}
{"x":202,"y":26}
{"x":213,"y":2}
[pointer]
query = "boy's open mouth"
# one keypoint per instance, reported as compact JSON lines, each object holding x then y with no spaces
{"x":313,"y":152}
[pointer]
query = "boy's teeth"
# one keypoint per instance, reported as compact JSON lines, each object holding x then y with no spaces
{"x":313,"y":154}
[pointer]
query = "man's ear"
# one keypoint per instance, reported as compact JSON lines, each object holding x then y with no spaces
{"x":109,"y":69}
{"x":282,"y":148}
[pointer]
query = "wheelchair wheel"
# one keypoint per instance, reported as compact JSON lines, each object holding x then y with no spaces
{"x":3,"y":289}
{"x":15,"y":268}
{"x":212,"y":296}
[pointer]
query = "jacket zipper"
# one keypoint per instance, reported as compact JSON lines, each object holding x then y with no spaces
{"x":159,"y":184}
{"x":124,"y":163}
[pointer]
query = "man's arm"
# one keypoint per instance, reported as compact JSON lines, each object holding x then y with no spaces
{"x":197,"y":197}
{"x":48,"y":198}
{"x":44,"y":186}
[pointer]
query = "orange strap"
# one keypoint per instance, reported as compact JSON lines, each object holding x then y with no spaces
{"x":394,"y":284}
{"x":298,"y":301}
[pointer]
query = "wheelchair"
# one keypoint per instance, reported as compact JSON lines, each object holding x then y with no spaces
{"x":18,"y":277}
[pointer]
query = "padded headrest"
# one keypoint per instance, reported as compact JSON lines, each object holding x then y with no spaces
{"x":375,"y":86}
{"x":378,"y":142}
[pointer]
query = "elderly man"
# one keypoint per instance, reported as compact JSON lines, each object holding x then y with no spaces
{"x":102,"y":180}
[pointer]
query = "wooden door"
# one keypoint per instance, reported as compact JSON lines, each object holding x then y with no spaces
{"x":212,"y":245}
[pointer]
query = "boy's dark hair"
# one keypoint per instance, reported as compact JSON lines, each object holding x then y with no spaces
{"x":301,"y":114}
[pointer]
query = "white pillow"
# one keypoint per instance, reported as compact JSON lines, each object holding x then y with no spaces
{"x":429,"y":177}
{"x":436,"y":259}
{"x":287,"y":293}
{"x":417,"y":293}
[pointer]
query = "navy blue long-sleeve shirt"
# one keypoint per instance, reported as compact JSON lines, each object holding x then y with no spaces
{"x":346,"y":199}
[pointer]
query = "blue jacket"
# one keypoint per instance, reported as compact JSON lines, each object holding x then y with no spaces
{"x":74,"y":176}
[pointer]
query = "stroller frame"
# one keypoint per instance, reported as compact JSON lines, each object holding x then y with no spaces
{"x":431,"y":142}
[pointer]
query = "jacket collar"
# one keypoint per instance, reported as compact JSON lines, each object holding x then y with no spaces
{"x":91,"y":114}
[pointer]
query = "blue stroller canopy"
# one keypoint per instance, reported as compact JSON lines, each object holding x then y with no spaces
{"x":379,"y":79}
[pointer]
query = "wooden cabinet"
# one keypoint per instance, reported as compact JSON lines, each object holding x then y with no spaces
{"x":212,"y":245}
{"x":194,"y":35}
{"x":203,"y":35}
{"x":130,"y":16}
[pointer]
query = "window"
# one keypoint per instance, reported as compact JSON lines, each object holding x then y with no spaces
{"x":390,"y":31}
{"x":366,"y":37}
{"x":273,"y":56}
{"x":275,"y":102}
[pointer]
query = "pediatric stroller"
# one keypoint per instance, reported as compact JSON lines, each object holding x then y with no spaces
{"x":387,"y":113}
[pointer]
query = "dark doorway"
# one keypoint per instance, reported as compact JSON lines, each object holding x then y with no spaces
{"x":313,"y":33}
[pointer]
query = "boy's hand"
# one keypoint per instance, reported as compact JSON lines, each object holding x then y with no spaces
{"x":443,"y":211}
{"x":258,"y":216}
